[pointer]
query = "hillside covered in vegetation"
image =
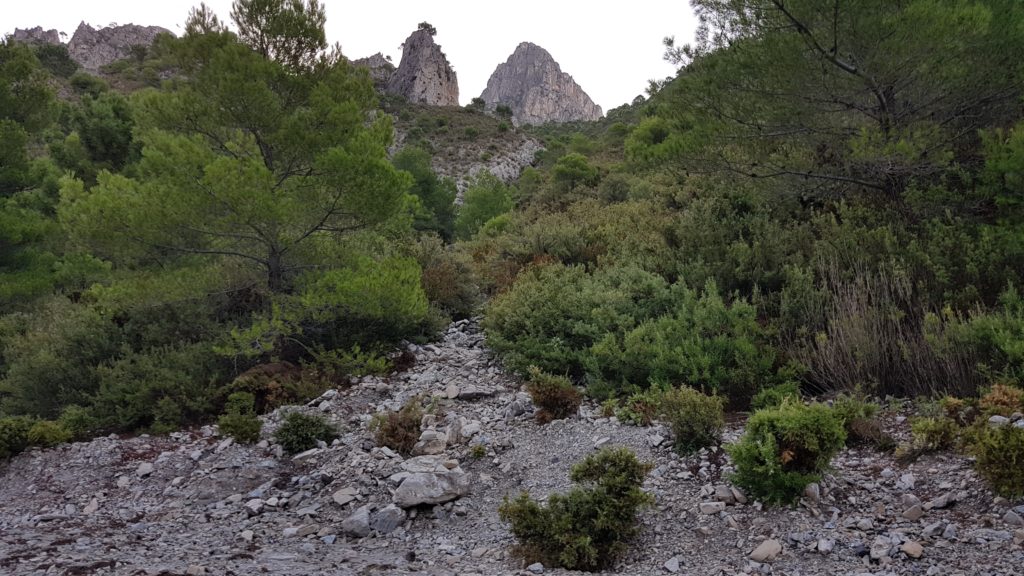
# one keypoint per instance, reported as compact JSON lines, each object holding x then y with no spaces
{"x":811,"y":239}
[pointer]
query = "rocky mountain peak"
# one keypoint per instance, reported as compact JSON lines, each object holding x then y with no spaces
{"x":381,"y":69}
{"x":533,"y":85}
{"x":36,"y":36}
{"x":424,"y":75}
{"x":94,"y":48}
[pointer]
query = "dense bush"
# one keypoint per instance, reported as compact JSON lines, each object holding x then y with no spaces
{"x":14,"y":435}
{"x":300,"y":432}
{"x":555,"y":396}
{"x":704,"y":343}
{"x":786,"y":448}
{"x":696,"y":418}
{"x":1000,"y":459}
{"x":485,"y":198}
{"x":589,"y":527}
{"x":239,"y":419}
{"x":772,"y":396}
{"x":399,"y":430}
{"x":79,"y":421}
{"x":47,"y":434}
{"x":554,"y":314}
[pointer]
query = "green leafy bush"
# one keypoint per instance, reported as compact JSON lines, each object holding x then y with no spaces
{"x":554,"y":314}
{"x":786,"y":448}
{"x":859,"y":416}
{"x":772,"y":396}
{"x":14,"y":435}
{"x":79,"y":421}
{"x":587,"y":528}
{"x":641,"y":408}
{"x":47,"y":434}
{"x":399,"y":430}
{"x":300,"y":432}
{"x":239,"y":419}
{"x":1000,"y":459}
{"x":696,"y":418}
{"x":485,"y":198}
{"x":555,"y":396}
{"x":704,"y":342}
{"x":933,"y":434}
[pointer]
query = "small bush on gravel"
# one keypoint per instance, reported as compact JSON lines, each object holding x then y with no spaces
{"x":239,"y":419}
{"x":587,"y":528}
{"x":934,"y":434}
{"x":641,"y":408}
{"x":1003,"y":400}
{"x":555,"y":396}
{"x":47,"y":434}
{"x":786,"y":448}
{"x":696,"y":418}
{"x":1000,"y":459}
{"x":773,"y":396}
{"x":399,"y":430}
{"x":299,"y":432}
{"x":13,"y":435}
{"x":859,"y":416}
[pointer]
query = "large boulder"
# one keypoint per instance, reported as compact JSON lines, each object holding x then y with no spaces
{"x":430,"y":480}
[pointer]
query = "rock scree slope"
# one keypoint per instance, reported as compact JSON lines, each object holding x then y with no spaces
{"x":196,"y":503}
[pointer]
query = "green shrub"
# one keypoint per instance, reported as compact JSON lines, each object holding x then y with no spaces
{"x":554,"y":396}
{"x":239,"y":419}
{"x":696,"y":418}
{"x":47,"y":434}
{"x":300,"y":432}
{"x":399,"y":430}
{"x":641,"y":408}
{"x":554,"y":314}
{"x":587,"y":528}
{"x":352,"y":362}
{"x":772,"y":396}
{"x":1000,"y":459}
{"x":703,"y":342}
{"x":161,"y":389}
{"x":786,"y":448}
{"x":79,"y":421}
{"x":933,"y":434}
{"x":859,"y":416}
{"x":486,"y":197}
{"x":14,"y":435}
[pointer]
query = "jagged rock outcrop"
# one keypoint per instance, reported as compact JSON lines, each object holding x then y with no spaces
{"x":36,"y":36}
{"x":93,"y":48}
{"x":424,"y":75}
{"x":533,"y":85}
{"x":381,"y":69}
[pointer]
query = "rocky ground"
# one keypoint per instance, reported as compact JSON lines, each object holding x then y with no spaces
{"x":195,"y":503}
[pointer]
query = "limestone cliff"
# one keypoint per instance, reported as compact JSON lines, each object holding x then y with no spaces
{"x":36,"y":36}
{"x":533,"y":85}
{"x":93,"y":48}
{"x":424,"y":75}
{"x":381,"y":69}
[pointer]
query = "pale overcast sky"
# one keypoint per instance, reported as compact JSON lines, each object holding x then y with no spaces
{"x":611,"y":49}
